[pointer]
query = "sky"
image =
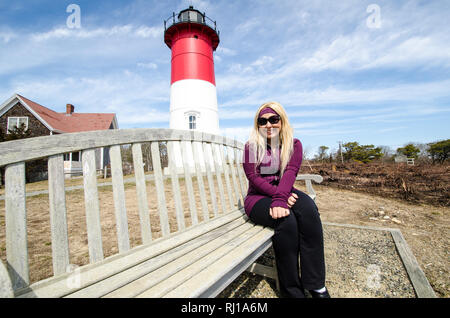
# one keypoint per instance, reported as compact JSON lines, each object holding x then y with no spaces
{"x":375,"y":72}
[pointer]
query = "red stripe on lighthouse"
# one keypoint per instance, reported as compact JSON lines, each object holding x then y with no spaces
{"x":192,"y":56}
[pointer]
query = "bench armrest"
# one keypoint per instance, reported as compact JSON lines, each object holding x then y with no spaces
{"x":308,"y":178}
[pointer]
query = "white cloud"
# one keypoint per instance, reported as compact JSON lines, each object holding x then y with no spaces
{"x":402,"y":92}
{"x":150,"y":65}
{"x":238,"y":133}
{"x":144,"y":117}
{"x":83,"y":33}
{"x":226,"y":51}
{"x":247,"y":26}
{"x":389,"y":129}
{"x":263,"y":61}
{"x":333,"y":95}
{"x":6,"y":36}
{"x":129,"y":95}
{"x":334,"y":132}
{"x":149,"y":32}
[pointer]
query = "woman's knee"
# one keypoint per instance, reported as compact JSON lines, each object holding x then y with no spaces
{"x":260,"y":213}
{"x":286,"y":225}
{"x":304,"y":204}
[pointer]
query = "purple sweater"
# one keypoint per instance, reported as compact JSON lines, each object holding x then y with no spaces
{"x":269,"y":185}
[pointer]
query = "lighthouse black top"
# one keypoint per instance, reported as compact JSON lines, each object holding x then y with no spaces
{"x":196,"y":21}
{"x":192,"y":41}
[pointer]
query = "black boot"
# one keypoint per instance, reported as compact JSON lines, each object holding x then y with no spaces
{"x":315,"y":294}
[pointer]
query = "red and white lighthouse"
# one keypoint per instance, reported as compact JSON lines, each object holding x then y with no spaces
{"x":192,"y":37}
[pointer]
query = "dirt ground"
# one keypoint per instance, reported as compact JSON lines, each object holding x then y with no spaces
{"x":425,"y":227}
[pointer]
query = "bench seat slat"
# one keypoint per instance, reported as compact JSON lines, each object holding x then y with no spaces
{"x":199,"y":284}
{"x":92,"y":273}
{"x":193,"y":251}
{"x":218,"y":249}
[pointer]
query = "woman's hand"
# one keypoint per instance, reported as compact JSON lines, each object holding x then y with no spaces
{"x":292,"y":199}
{"x":278,"y":212}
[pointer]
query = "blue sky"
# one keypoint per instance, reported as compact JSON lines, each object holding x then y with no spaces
{"x":338,"y":76}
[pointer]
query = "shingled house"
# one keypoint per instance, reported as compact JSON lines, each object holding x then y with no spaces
{"x":42,"y":121}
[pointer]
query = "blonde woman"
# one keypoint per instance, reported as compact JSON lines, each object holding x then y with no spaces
{"x":272,"y":159}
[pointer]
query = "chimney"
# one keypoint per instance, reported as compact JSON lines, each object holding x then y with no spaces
{"x":70,"y":109}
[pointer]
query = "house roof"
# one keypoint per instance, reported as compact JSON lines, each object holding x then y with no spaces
{"x":63,"y":123}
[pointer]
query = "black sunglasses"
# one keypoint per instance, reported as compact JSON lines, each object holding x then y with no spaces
{"x":273,"y":120}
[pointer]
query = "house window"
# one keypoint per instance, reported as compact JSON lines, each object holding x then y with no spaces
{"x":192,"y":122}
{"x":14,"y":122}
{"x":76,"y":156}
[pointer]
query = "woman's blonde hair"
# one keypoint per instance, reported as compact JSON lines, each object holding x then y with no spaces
{"x":258,"y":143}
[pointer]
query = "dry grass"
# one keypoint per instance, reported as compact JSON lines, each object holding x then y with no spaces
{"x":421,"y":183}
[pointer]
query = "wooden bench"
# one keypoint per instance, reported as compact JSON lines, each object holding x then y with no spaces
{"x":195,"y":260}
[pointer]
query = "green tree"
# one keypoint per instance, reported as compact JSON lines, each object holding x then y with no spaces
{"x":349,"y":149}
{"x":410,"y":151}
{"x":439,"y":151}
{"x":367,"y":153}
{"x":361,"y":153}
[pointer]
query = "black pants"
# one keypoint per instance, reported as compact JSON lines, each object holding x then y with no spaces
{"x":299,"y":232}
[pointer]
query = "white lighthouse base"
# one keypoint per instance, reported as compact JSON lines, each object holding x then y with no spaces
{"x":196,"y":98}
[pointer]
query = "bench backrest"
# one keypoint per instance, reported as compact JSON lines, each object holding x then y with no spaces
{"x":217,"y":157}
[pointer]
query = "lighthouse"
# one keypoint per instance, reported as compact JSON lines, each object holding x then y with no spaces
{"x":192,"y":38}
